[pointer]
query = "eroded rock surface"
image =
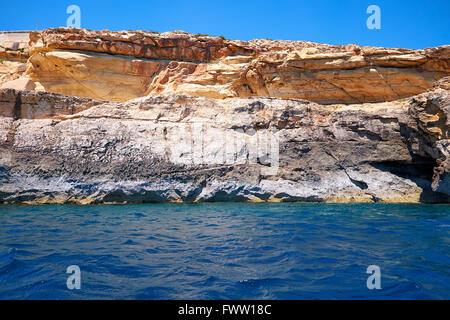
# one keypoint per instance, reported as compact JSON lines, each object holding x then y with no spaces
{"x":14,"y":45}
{"x":118,"y":66}
{"x":432,"y":113}
{"x":135,"y":116}
{"x":39,"y":105}
{"x":10,"y":71}
{"x":181,"y":148}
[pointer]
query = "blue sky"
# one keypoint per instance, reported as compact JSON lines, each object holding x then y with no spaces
{"x":404,"y":23}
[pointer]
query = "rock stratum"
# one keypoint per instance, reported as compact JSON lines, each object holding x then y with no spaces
{"x":92,"y":117}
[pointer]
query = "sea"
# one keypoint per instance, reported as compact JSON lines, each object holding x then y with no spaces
{"x":225,"y":251}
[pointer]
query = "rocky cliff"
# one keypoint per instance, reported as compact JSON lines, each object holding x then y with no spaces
{"x":145,"y":117}
{"x":119,"y":66}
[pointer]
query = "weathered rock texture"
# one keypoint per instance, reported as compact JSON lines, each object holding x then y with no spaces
{"x":147,"y":117}
{"x":14,"y":45}
{"x":13,"y":55}
{"x":10,"y":71}
{"x":119,"y":66}
{"x":39,"y":105}
{"x":134,"y":152}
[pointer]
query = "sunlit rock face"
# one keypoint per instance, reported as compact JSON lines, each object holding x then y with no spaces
{"x":118,"y":66}
{"x":14,"y":45}
{"x":60,"y":149}
{"x":130,"y":117}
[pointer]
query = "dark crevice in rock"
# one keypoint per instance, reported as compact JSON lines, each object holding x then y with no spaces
{"x":421,"y":167}
{"x":363,"y":133}
{"x":17,"y":107}
{"x":16,"y":114}
{"x":420,"y":171}
{"x":360,"y":184}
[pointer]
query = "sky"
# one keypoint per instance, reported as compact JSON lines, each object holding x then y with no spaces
{"x":411,"y":24}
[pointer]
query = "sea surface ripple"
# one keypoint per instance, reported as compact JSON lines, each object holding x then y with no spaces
{"x":225,"y":251}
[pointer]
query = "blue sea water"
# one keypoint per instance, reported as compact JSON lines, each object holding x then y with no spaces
{"x":225,"y":251}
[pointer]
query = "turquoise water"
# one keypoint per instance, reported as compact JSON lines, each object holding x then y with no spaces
{"x":225,"y":251}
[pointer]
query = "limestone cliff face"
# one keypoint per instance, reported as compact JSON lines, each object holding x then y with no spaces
{"x":112,"y":117}
{"x":180,"y":148}
{"x":119,"y":66}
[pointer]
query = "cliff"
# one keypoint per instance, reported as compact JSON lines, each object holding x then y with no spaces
{"x":119,"y":66}
{"x":148,"y":117}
